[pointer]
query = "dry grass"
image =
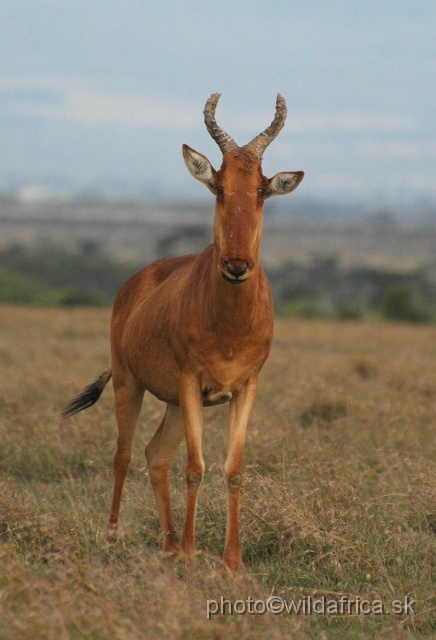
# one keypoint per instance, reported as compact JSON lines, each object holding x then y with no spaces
{"x":339,"y":493}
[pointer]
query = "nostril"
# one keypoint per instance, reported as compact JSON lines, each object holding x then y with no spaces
{"x":236,"y":267}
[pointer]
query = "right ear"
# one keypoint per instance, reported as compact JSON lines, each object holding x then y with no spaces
{"x":200,"y":168}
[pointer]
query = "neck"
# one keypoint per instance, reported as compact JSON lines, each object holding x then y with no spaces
{"x":233,"y":305}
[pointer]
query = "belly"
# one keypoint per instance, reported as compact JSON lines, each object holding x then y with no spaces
{"x":159,"y":373}
{"x":162,"y":380}
{"x":148,"y":350}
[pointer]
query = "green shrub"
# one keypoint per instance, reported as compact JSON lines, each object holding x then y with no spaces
{"x":351,"y":311}
{"x":16,"y":288}
{"x":401,"y":304}
{"x":303,"y":308}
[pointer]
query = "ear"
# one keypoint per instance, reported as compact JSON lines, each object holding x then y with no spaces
{"x":199,"y":167}
{"x":283,"y":183}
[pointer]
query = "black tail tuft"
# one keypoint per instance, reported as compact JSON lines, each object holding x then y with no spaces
{"x":89,"y":396}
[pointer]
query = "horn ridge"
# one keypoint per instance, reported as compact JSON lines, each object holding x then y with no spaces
{"x":223,"y":140}
{"x":261,"y":141}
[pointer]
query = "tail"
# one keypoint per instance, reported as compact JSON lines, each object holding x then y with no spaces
{"x":89,"y":396}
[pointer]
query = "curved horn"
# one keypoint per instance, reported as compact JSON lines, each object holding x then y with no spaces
{"x":223,"y":140}
{"x":261,"y":141}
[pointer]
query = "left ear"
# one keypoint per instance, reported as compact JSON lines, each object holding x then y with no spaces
{"x":283,"y":183}
{"x":199,"y":167}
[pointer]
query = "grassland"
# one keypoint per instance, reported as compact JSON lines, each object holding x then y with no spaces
{"x":339,"y":493}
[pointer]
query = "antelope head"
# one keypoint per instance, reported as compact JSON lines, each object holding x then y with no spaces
{"x":240,"y":189}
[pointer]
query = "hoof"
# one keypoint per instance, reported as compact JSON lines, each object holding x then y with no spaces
{"x":171,"y":552}
{"x":188,"y":554}
{"x":235,"y":566}
{"x":112,"y":536}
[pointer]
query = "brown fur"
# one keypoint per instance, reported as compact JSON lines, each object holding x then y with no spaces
{"x":195,"y":331}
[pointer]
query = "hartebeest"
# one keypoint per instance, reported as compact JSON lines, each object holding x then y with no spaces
{"x":195,"y":331}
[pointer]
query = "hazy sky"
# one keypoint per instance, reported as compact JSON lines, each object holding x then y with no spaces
{"x":95,"y":93}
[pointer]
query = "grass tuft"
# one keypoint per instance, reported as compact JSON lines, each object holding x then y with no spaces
{"x":338,"y":495}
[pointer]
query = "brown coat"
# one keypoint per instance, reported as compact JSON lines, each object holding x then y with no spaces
{"x":195,"y":331}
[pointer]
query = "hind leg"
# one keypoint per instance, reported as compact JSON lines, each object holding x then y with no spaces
{"x":159,"y":453}
{"x":128,"y":402}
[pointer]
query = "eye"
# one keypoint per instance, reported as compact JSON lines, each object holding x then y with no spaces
{"x":220,"y":191}
{"x":261,"y":192}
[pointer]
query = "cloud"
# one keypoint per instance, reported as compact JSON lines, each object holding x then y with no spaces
{"x":362,"y":184}
{"x":80,"y":101}
{"x":93,"y":107}
{"x":355,"y":122}
{"x":396,"y":149}
{"x":47,"y":82}
{"x":345,"y":122}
